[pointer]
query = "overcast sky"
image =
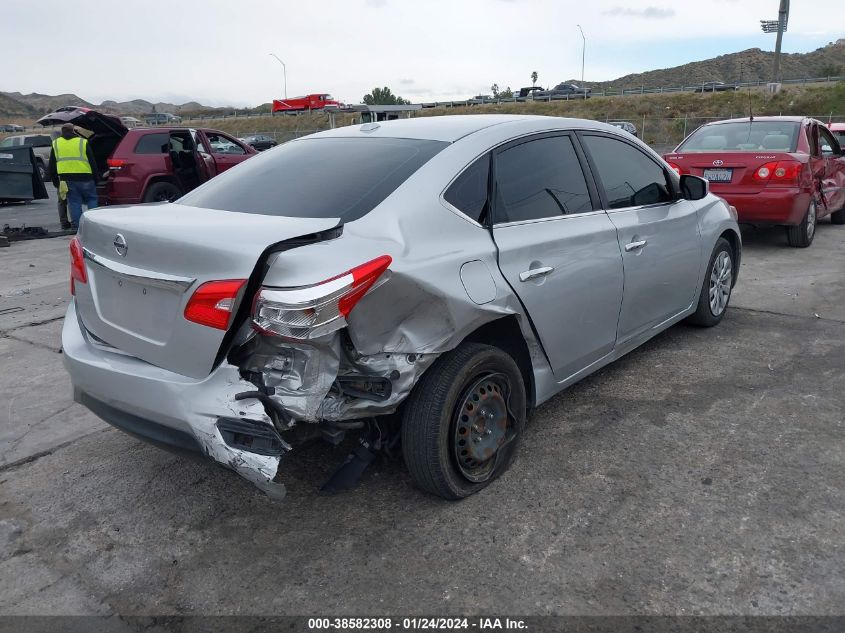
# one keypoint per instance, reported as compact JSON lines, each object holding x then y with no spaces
{"x":217,"y":51}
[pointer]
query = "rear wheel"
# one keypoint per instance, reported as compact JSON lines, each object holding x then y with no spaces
{"x":716,"y":289}
{"x":463,"y":421}
{"x":162,"y":192}
{"x":801,"y":236}
{"x":838,"y":217}
{"x":42,"y":171}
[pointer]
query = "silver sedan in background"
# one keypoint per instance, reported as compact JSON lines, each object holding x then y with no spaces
{"x":425,"y":281}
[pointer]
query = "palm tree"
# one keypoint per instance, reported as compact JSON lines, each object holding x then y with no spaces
{"x":534,"y":76}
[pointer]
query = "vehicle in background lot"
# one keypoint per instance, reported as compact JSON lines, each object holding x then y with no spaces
{"x":41,"y":145}
{"x":161,"y":118}
{"x":148,"y":164}
{"x":629,"y":127}
{"x":563,"y":90}
{"x":370,"y":270}
{"x":775,"y":170}
{"x":529,"y":92}
{"x":11,"y":127}
{"x":308,"y":102}
{"x":130,"y":121}
{"x":260,"y":141}
{"x":716,"y":86}
{"x":838,"y":130}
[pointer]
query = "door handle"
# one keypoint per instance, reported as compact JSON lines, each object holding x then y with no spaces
{"x":633,"y":246}
{"x":535,"y":272}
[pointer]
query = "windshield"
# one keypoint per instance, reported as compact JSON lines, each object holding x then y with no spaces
{"x":774,"y":136}
{"x":317,"y":178}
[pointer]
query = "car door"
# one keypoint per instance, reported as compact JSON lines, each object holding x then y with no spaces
{"x":225,"y":150}
{"x":557,"y":249}
{"x":833,"y":181}
{"x":205,"y":161}
{"x":658,"y":235}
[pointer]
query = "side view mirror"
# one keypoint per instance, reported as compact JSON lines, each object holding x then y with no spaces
{"x":693,"y":187}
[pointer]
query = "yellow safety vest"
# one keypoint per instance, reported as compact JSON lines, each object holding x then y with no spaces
{"x":71,"y":156}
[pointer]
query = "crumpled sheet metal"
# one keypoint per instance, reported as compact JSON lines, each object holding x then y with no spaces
{"x":259,"y":470}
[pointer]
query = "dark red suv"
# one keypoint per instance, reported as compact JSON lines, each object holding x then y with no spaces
{"x":151,"y":164}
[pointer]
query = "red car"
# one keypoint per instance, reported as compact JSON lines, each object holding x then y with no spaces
{"x":308,"y":102}
{"x":774,"y":170}
{"x":151,"y":164}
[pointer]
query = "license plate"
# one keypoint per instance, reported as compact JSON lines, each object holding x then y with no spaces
{"x":718,"y":175}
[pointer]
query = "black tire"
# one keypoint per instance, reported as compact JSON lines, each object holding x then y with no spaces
{"x":838,"y":217}
{"x":801,"y":236}
{"x":42,"y":171}
{"x":433,"y":433}
{"x":162,"y":192}
{"x":705,"y":314}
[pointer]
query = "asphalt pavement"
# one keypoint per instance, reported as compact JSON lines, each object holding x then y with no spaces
{"x":700,"y":474}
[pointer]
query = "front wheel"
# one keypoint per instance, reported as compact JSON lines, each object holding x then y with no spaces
{"x":801,"y":236}
{"x":42,"y":171}
{"x":716,"y":289}
{"x":463,"y":421}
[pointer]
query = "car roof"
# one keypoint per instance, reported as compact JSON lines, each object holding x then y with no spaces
{"x":794,"y":119}
{"x":454,"y":127}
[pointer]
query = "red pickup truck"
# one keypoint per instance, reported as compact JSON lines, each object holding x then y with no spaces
{"x":308,"y":102}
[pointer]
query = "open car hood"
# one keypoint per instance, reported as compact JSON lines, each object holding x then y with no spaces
{"x":97,"y":122}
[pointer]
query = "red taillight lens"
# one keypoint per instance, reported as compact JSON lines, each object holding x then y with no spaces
{"x":77,"y":265}
{"x":676,"y":168}
{"x":304,"y":313}
{"x":116,"y":163}
{"x":213,"y":302}
{"x":779,"y":173}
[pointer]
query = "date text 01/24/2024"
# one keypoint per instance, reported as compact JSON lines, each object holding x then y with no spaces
{"x":416,"y":623}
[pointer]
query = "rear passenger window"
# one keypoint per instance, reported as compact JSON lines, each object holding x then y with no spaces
{"x":468,"y":194}
{"x":540,"y":179}
{"x":153,"y":144}
{"x":630,"y":177}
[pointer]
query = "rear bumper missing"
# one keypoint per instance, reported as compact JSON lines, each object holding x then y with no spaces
{"x":164,"y":408}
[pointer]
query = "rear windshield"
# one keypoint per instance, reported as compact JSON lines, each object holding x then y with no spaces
{"x":773,"y":136}
{"x":317,"y":178}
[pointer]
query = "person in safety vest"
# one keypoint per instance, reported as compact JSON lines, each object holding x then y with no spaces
{"x":72,"y":162}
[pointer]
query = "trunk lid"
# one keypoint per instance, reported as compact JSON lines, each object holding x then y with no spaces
{"x":135,"y":301}
{"x":740,"y":167}
{"x":97,"y":122}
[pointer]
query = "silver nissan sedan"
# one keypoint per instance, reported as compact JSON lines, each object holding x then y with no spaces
{"x":423,"y":283}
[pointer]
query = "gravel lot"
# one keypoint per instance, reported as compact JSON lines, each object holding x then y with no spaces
{"x":701,"y":474}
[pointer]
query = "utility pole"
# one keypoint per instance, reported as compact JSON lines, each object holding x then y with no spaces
{"x":777,"y":26}
{"x":284,"y":71}
{"x":584,"y":49}
{"x":783,"y":15}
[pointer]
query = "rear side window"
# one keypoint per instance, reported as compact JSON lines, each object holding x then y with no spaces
{"x":153,"y":144}
{"x":317,"y":178}
{"x":630,"y":177}
{"x":540,"y":179}
{"x":468,"y":194}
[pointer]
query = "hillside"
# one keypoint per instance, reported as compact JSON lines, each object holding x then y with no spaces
{"x":754,"y":64}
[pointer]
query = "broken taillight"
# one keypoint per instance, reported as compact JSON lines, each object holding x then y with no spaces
{"x":77,"y":265}
{"x":312,"y":311}
{"x":213,"y":302}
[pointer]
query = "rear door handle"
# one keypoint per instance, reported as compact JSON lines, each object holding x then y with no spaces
{"x":535,"y":272}
{"x":633,"y":246}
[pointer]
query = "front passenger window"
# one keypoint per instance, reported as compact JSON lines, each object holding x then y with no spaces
{"x":630,"y":177}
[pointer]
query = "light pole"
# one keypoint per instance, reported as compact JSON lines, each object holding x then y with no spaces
{"x":284,"y":71}
{"x":583,"y":51}
{"x":777,"y":26}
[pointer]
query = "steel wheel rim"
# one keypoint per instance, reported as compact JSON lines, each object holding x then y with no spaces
{"x":721,"y":277}
{"x":811,"y":221}
{"x":482,"y":427}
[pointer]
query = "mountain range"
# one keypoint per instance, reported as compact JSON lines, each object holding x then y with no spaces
{"x":749,"y":65}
